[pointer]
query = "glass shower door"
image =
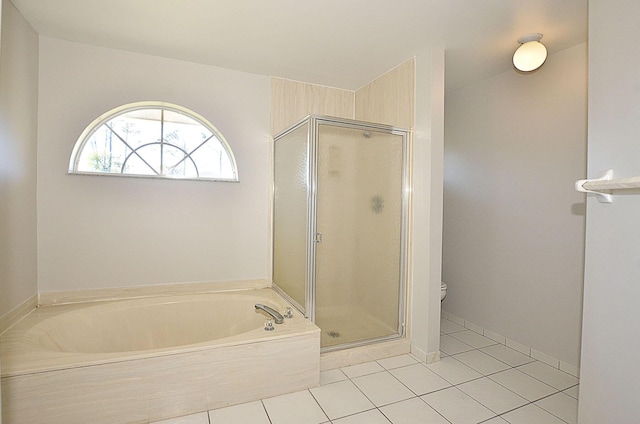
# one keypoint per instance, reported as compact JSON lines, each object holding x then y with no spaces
{"x":359,"y":240}
{"x":290,"y":215}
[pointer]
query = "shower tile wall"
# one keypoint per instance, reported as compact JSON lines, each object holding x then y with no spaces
{"x":293,"y":100}
{"x":390,"y":98}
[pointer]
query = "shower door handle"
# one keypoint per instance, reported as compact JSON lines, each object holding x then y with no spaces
{"x":318,"y":238}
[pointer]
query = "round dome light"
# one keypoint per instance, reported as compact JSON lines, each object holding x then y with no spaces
{"x":531,"y":54}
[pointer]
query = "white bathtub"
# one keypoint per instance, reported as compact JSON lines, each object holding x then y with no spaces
{"x":147,"y":359}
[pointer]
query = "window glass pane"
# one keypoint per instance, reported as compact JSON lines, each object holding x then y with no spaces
{"x":184,"y":132}
{"x":144,"y":161}
{"x":213,"y":160}
{"x":103,"y":152}
{"x":138,"y":127}
{"x":178,"y":164}
{"x":154,"y":140}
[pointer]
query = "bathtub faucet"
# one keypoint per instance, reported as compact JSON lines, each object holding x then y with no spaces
{"x":277,"y":317}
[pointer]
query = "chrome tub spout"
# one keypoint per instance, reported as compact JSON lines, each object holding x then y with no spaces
{"x":277,"y":317}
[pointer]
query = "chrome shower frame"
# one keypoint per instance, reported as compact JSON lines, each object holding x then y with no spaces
{"x":308,"y":309}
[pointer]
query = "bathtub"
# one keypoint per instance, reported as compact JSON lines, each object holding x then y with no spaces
{"x":141,"y":360}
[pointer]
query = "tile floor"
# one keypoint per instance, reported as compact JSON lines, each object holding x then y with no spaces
{"x":476,"y":381}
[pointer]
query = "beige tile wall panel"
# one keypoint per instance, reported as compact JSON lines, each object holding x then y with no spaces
{"x":389,"y":99}
{"x":293,"y":100}
{"x":151,"y":389}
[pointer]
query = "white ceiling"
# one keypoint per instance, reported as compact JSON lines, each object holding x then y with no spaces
{"x":339,"y":43}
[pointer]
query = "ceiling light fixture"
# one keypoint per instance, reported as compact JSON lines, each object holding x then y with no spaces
{"x":531,"y":54}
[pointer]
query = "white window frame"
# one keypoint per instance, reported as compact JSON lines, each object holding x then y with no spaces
{"x":107,"y":116}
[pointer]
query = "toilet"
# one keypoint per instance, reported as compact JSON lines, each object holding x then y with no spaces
{"x":443,"y":290}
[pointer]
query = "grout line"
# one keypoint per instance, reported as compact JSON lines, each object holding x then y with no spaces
{"x":489,"y":355}
{"x":265,"y":411}
{"x":542,"y":381}
{"x":534,"y":404}
{"x":384,"y":415}
{"x":437,"y":412}
{"x":548,"y":410}
{"x":320,"y":406}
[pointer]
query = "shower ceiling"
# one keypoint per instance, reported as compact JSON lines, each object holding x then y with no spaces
{"x":331,"y":42}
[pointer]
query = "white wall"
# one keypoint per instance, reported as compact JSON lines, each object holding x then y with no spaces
{"x":610,"y":380}
{"x":18,"y":137}
{"x":426,"y":245}
{"x":97,"y":232}
{"x":513,"y":224}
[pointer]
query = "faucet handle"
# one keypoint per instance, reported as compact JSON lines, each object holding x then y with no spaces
{"x":288,"y":312}
{"x":268,"y":325}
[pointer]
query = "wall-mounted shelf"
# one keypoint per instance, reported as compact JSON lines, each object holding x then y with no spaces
{"x":603,"y":185}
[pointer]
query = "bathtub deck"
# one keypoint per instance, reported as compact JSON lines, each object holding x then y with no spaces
{"x":147,"y":386}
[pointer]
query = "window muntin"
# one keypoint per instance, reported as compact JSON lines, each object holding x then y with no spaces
{"x":153,"y":139}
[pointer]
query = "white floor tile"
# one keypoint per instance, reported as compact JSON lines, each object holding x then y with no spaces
{"x":455,"y":372}
{"x":574,"y":391}
{"x":492,"y":395}
{"x":382,"y":388}
{"x":200,"y":418}
{"x":473,"y":339}
{"x":507,"y":355}
{"x":397,"y":361}
{"x":447,"y":326}
{"x":523,"y":384}
{"x":294,"y":408}
{"x":562,"y":406}
{"x":531,"y":414}
{"x":369,"y":417}
{"x":496,"y":420}
{"x":365,"y":368}
{"x":331,"y":376}
{"x":481,"y":362}
{"x":412,"y":411}
{"x":341,"y":399}
{"x":251,"y":412}
{"x":457,"y":407}
{"x":451,"y":346}
{"x":420,"y":379}
{"x":549,"y":375}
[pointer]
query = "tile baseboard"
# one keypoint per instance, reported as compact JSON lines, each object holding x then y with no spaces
{"x":526,"y":350}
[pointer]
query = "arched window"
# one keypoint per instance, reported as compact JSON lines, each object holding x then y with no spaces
{"x":153,"y":139}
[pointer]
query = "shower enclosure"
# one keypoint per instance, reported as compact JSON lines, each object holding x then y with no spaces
{"x":339,"y":228}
